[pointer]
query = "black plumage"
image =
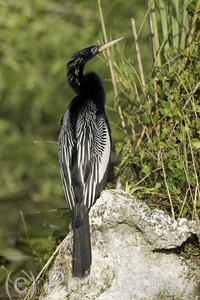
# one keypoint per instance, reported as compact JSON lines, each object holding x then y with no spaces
{"x":84,"y":151}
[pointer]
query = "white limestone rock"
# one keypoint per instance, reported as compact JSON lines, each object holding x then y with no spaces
{"x":124,"y":234}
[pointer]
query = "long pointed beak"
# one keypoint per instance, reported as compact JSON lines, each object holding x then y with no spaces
{"x":105,"y":46}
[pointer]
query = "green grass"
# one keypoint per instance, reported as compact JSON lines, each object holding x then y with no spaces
{"x":160,"y":152}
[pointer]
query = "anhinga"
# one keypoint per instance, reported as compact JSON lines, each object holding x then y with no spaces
{"x":84,"y":151}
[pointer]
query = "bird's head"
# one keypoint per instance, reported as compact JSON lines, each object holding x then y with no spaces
{"x":83,"y":56}
{"x":79,"y":59}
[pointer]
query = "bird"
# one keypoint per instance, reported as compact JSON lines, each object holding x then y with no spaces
{"x":84,"y":147}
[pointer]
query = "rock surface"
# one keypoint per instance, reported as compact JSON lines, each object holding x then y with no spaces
{"x":124,"y":234}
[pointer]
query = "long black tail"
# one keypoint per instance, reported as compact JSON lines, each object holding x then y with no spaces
{"x":82,"y":257}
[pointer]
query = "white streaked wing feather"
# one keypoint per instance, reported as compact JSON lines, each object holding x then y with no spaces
{"x":93,"y":153}
{"x":93,"y":148}
{"x":66,"y":144}
{"x":100,"y":152}
{"x":105,"y":156}
{"x":68,"y":190}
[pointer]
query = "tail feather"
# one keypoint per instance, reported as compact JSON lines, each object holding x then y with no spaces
{"x":82,"y":257}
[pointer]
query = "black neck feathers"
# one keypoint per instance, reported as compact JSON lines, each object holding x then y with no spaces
{"x":88,"y":84}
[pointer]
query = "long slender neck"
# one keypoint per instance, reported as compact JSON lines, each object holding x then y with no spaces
{"x":75,"y":74}
{"x":89,"y":84}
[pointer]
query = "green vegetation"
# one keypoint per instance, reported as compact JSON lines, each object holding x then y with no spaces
{"x":160,"y":152}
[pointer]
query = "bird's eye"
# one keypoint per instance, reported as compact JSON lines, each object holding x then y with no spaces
{"x":93,"y":50}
